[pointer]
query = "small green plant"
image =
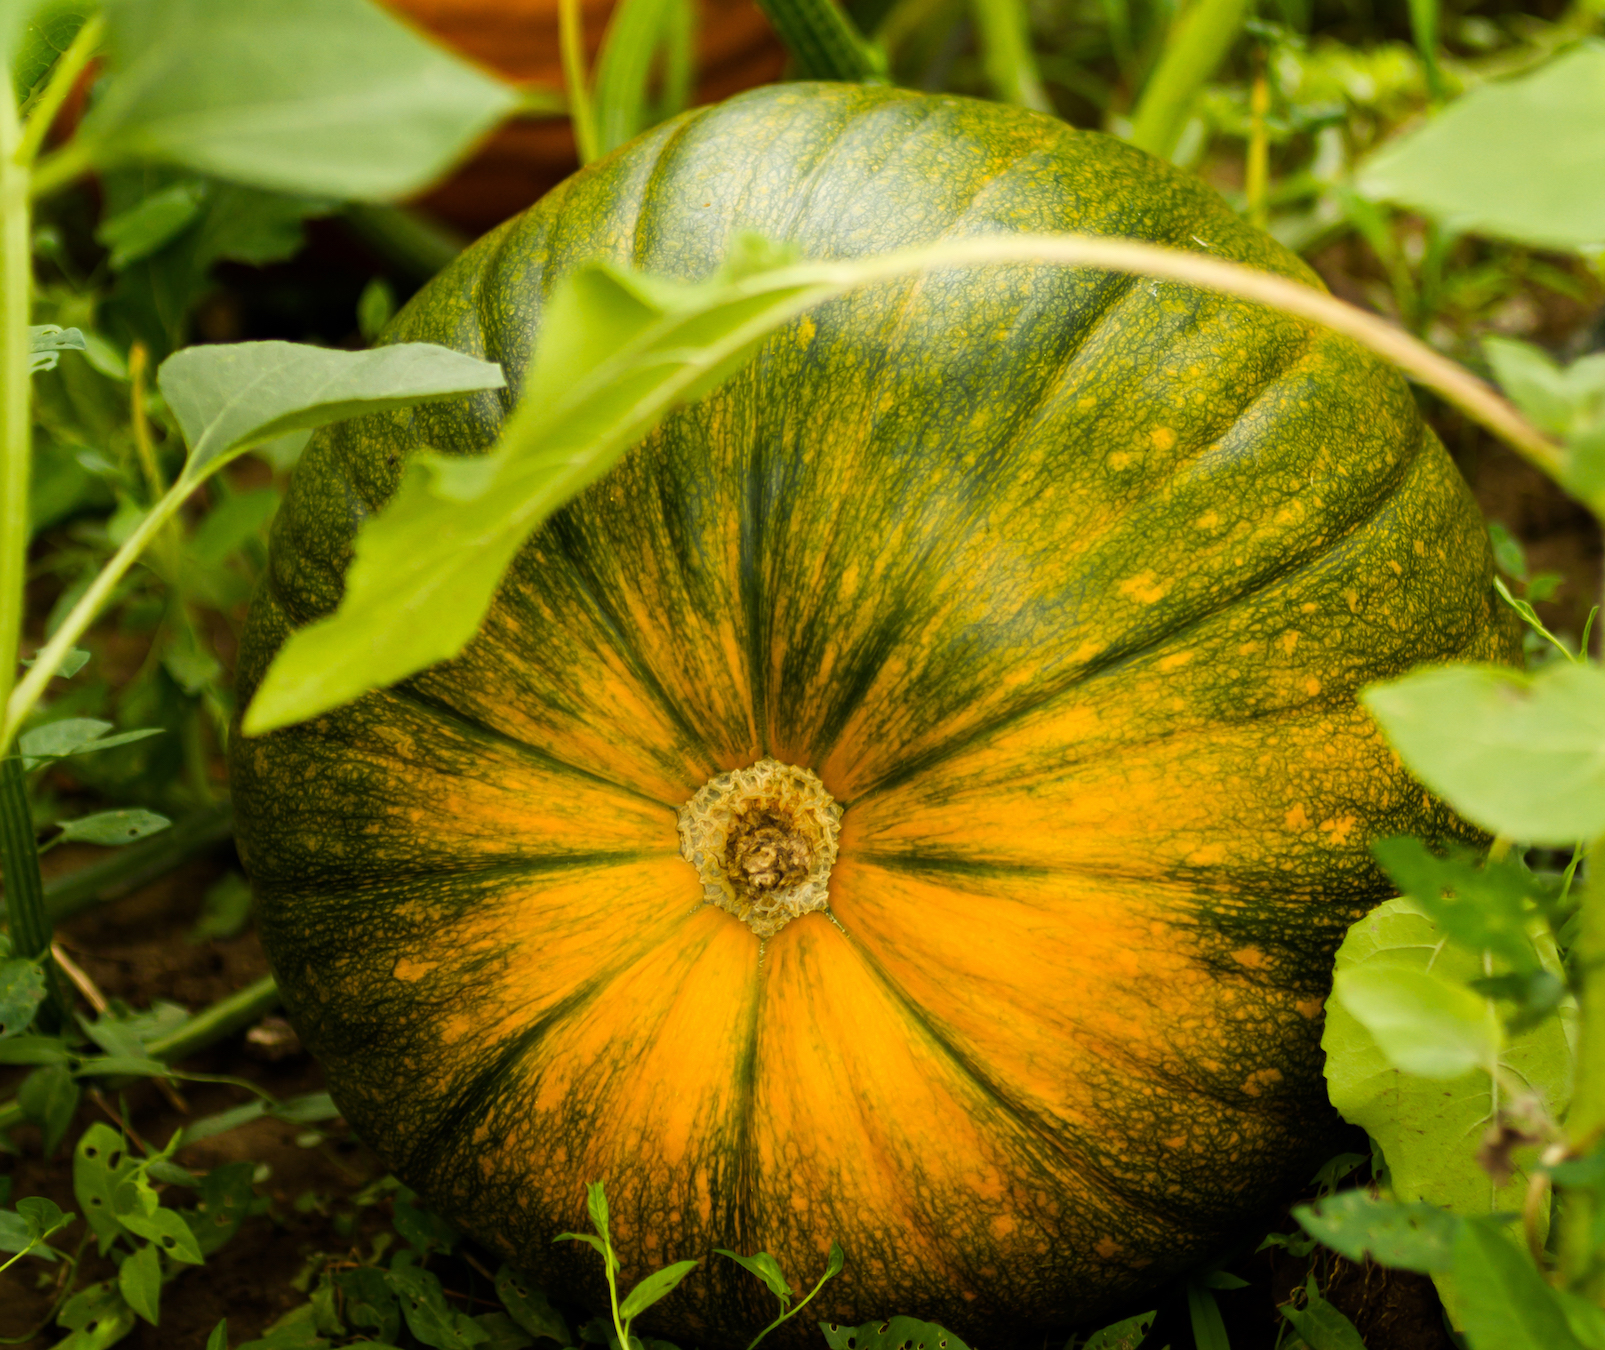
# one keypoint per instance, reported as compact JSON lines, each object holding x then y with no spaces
{"x":656,"y":1285}
{"x":767,"y":1269}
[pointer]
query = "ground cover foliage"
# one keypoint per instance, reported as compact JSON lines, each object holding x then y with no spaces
{"x":178,"y":1176}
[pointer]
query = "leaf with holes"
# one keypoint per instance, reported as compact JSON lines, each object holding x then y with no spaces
{"x":100,"y":1163}
{"x":423,"y":1304}
{"x":530,"y":1308}
{"x":135,"y":1205}
{"x":113,"y":828}
{"x":898,"y":1333}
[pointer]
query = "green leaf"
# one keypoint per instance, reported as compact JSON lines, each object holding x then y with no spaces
{"x":1362,"y":1228}
{"x":1522,"y":756}
{"x":1209,"y":1328}
{"x":1504,"y":1303}
{"x":1425,"y":1025}
{"x":369,"y":1304}
{"x":420,"y":1228}
{"x":47,"y":343}
{"x":376,"y":306}
{"x":329,"y":97}
{"x":1482,"y":908}
{"x":766,"y":1268}
{"x":232,"y":524}
{"x":49,"y":1097}
{"x":1320,"y":1325}
{"x":139,"y":1277}
{"x":113,"y":828}
{"x":530,"y":1308}
{"x":1523,"y":159}
{"x":1509,"y":556}
{"x":22,"y":990}
{"x":1127,"y":1334}
{"x":142,"y":229}
{"x":100,"y":1163}
{"x":423,"y":1304}
{"x":1559,"y":400}
{"x":225,"y":909}
{"x":74,"y":736}
{"x":33,"y":33}
{"x":635,"y":31}
{"x":34,"y":1050}
{"x":896,"y":1333}
{"x":97,"y":1316}
{"x":227,"y":1198}
{"x":501,"y":1332}
{"x":135,"y":1205}
{"x":229,"y":398}
{"x":616,"y":352}
{"x":218,"y":1340}
{"x":656,"y":1286}
{"x":1427,"y":1128}
{"x":1585,"y":1317}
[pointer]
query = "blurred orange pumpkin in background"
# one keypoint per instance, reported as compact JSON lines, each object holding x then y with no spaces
{"x":736,"y":49}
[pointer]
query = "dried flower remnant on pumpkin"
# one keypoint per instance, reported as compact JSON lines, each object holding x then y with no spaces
{"x":763,"y":841}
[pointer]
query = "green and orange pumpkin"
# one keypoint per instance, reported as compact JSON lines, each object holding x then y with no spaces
{"x":1059,"y":583}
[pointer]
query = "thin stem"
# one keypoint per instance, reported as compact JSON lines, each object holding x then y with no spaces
{"x":1011,"y":65}
{"x":571,"y":38}
{"x":26,"y":919}
{"x":792,"y":1312}
{"x":138,"y":366}
{"x":88,"y":608}
{"x":1256,"y":176}
{"x":16,"y":413}
{"x":222,"y":1019}
{"x":1196,"y":46}
{"x":1580,"y":1261}
{"x":823,"y":41}
{"x":62,"y":79}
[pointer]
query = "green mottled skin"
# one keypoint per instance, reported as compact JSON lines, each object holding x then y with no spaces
{"x":1064,"y":582}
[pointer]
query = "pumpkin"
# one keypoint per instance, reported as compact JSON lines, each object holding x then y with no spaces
{"x":736,"y":49}
{"x":913,"y":801}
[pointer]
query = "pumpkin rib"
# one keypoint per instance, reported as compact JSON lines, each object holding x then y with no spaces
{"x":478,"y":727}
{"x":1115,"y":659}
{"x":1070,"y":1149}
{"x":623,"y":646}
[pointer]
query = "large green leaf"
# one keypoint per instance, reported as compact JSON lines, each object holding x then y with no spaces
{"x":617,"y":352}
{"x":1429,"y":1129}
{"x":328,"y":97}
{"x":1522,"y":158}
{"x":1522,"y":756}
